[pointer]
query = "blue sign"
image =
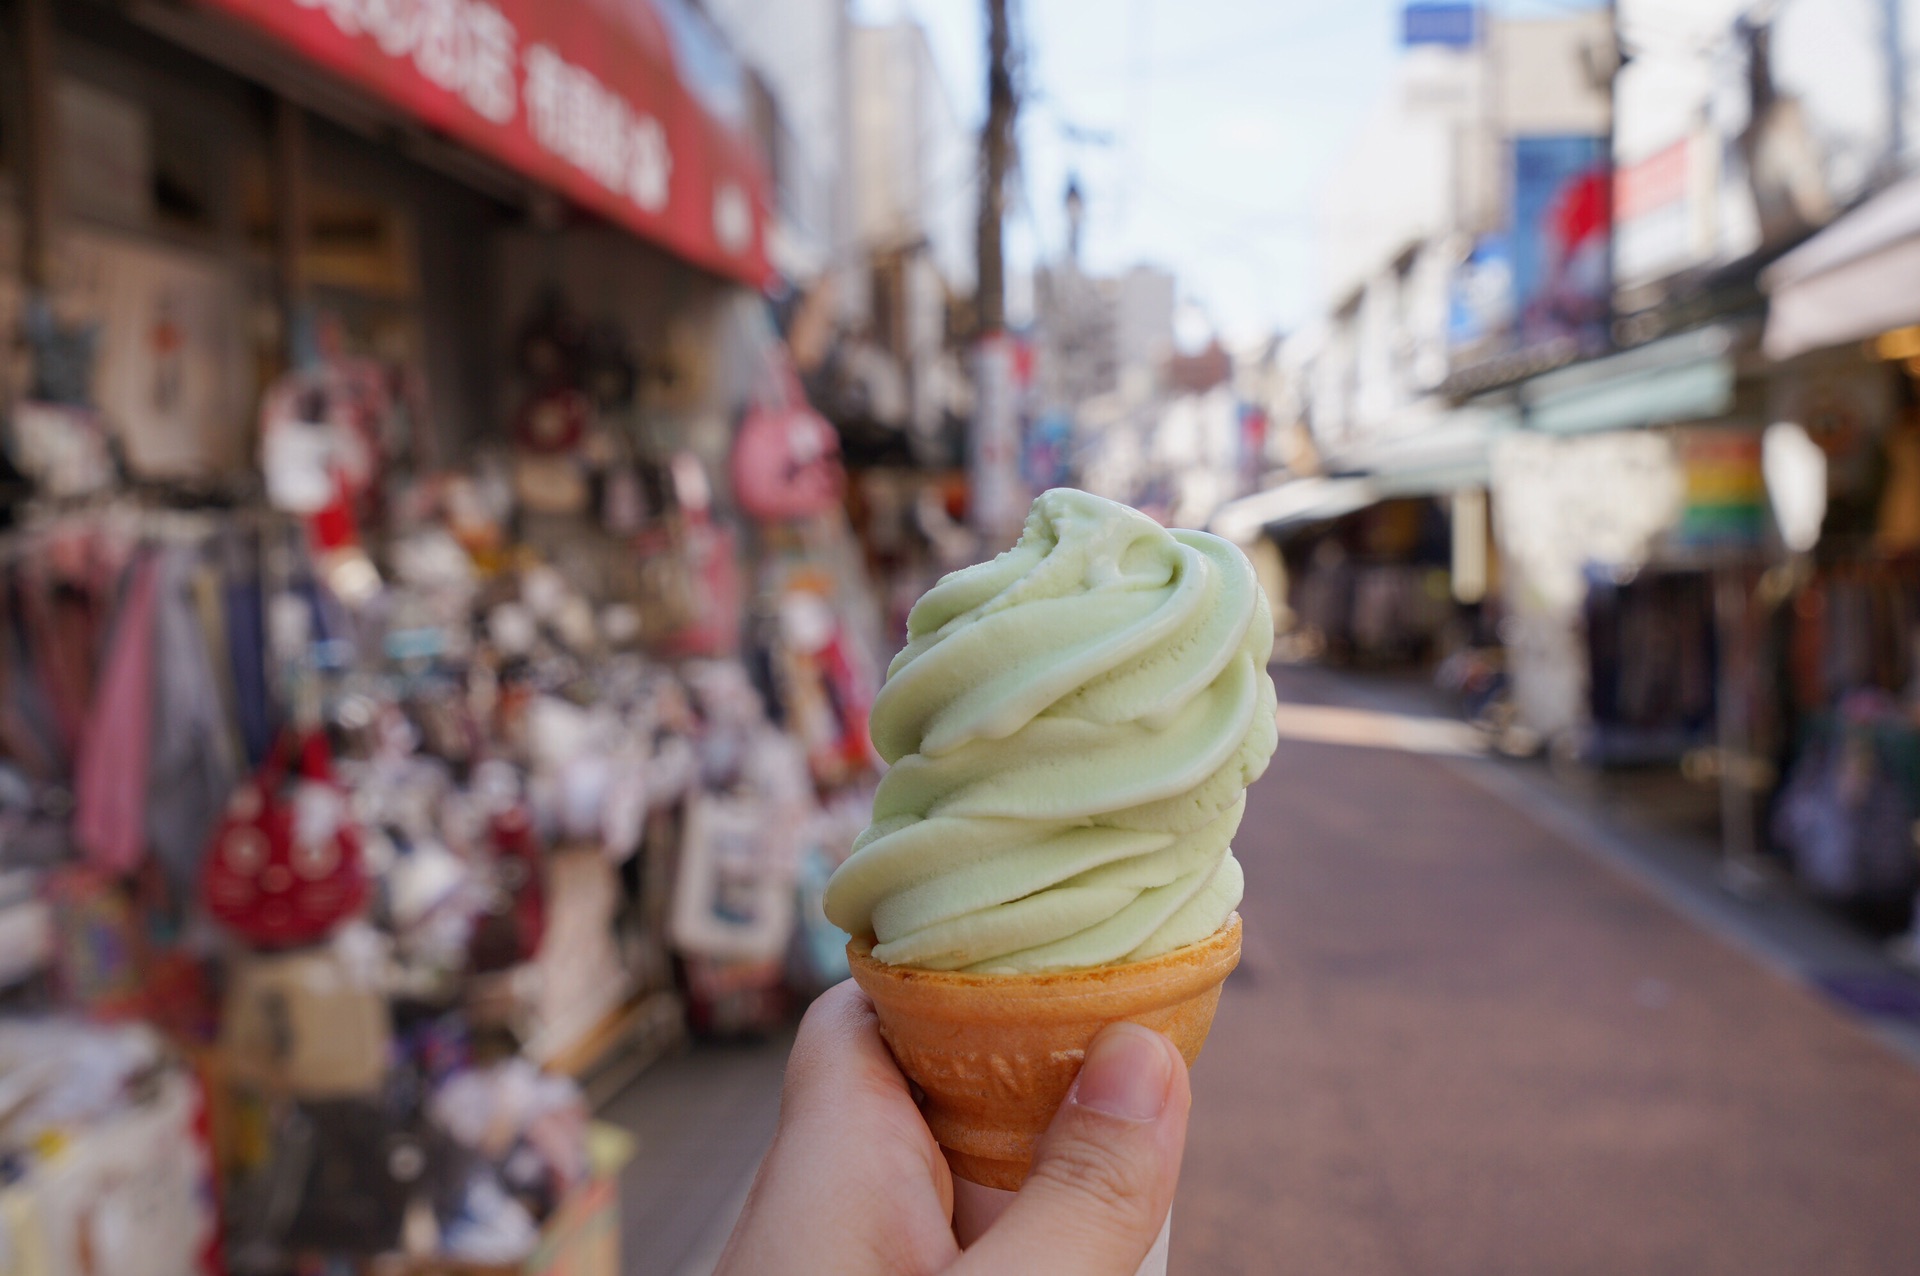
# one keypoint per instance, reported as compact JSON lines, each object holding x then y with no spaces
{"x":1558,"y":226}
{"x":1049,"y":452}
{"x":1456,"y":26}
{"x":1480,"y":302}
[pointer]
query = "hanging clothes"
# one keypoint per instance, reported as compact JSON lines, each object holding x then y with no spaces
{"x":246,"y":653}
{"x":28,"y":732}
{"x":110,"y":772}
{"x":210,"y":607}
{"x":193,"y":765}
{"x":1897,"y":528}
{"x":59,"y":615}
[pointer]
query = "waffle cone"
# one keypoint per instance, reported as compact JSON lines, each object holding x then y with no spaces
{"x":995,"y":1054}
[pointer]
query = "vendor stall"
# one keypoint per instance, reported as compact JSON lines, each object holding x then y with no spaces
{"x":434,"y":654}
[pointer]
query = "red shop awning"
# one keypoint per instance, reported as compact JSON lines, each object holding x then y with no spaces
{"x":585,"y":96}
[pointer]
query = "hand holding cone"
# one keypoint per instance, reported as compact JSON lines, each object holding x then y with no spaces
{"x":994,"y":1055}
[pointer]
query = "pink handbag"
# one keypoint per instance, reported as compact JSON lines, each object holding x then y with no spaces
{"x":786,"y":458}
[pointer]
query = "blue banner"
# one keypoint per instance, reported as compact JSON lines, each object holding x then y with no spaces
{"x":1456,"y":26}
{"x":1559,"y":225}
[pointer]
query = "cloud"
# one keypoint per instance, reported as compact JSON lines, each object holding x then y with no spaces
{"x":1250,"y":132}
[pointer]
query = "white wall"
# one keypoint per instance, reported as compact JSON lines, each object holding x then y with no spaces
{"x":1429,"y":171}
{"x":948,"y":155}
{"x":1394,"y":189}
{"x":1143,"y":320}
{"x":1544,"y":85}
{"x":799,"y":47}
{"x":913,"y":163}
{"x":1688,"y":78}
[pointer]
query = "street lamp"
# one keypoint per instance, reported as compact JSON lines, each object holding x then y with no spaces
{"x":1076,"y":213}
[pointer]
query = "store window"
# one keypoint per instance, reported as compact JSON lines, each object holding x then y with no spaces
{"x":358,"y":261}
{"x":132,"y":166}
{"x":186,"y":178}
{"x":105,"y":155}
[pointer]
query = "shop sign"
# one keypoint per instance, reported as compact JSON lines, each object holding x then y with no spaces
{"x":582,"y":97}
{"x":1725,"y":489}
{"x":1559,"y":224}
{"x":1454,"y":26}
{"x":1480,"y":295}
{"x":1652,"y":207}
{"x":997,"y":499}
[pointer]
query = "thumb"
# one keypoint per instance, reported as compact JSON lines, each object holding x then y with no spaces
{"x":1104,"y":1174}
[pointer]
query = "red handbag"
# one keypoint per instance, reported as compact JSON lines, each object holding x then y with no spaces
{"x":285,"y":867}
{"x":511,"y":931}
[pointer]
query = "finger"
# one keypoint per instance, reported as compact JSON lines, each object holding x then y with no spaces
{"x":1103,"y":1177}
{"x":845,"y":1096}
{"x":853,"y":1181}
{"x":838,"y":1056}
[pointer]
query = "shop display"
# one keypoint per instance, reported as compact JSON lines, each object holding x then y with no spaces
{"x":284,"y":867}
{"x":104,"y":1160}
{"x":786,"y":457}
{"x":1373,"y":586}
{"x":1845,"y":816}
{"x":1651,"y":683}
{"x":385,"y":863}
{"x":381,"y":771}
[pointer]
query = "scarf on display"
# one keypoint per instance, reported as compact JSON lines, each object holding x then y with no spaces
{"x":134,"y":677}
{"x":110,"y":773}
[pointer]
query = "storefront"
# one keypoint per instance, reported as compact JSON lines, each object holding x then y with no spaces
{"x":1603,"y":512}
{"x":435,"y":654}
{"x":1844,"y":674}
{"x":1390,"y":562}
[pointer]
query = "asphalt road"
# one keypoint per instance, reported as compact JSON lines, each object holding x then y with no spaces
{"x":1460,"y":1044}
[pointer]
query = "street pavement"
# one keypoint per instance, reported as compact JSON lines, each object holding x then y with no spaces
{"x":1459,"y":1043}
{"x":1475,"y":1031}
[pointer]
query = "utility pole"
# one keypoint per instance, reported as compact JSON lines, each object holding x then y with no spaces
{"x":996,"y":146}
{"x":1896,"y":86}
{"x":995,"y":499}
{"x":1616,"y":62}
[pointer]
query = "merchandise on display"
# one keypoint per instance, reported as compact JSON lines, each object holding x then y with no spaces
{"x":379,"y":821}
{"x":434,"y":653}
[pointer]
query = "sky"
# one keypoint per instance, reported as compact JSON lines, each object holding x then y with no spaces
{"x":1201,"y":132}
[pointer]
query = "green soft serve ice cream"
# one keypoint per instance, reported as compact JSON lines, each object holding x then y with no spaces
{"x":1070,"y":731}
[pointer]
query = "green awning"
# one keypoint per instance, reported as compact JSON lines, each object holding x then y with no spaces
{"x":1688,"y":377}
{"x":1447,"y":456}
{"x":1293,"y":503}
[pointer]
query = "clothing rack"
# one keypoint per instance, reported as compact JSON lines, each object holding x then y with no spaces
{"x":41,"y":519}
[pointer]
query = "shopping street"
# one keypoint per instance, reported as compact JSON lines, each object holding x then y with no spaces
{"x":506,"y":595}
{"x":1474,"y":1032}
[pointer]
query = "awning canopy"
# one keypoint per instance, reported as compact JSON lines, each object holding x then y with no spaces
{"x":1856,"y":279}
{"x":1686,"y":377}
{"x":1301,"y":500}
{"x":631,"y":108}
{"x":1446,"y":455}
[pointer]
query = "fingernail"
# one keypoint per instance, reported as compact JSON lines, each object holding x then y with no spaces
{"x":1126,"y":1074}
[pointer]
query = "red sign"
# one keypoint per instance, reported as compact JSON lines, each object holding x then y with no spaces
{"x":1656,"y":182}
{"x":582,"y":95}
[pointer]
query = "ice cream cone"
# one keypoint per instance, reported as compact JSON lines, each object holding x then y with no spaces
{"x":995,"y":1054}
